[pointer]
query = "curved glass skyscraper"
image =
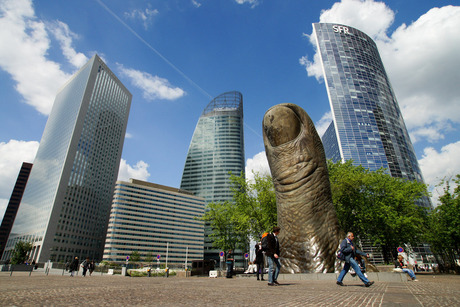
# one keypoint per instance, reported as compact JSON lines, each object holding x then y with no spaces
{"x":367,"y":126}
{"x":217,"y":148}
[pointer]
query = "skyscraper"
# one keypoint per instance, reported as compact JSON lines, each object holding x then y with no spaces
{"x":13,"y":204}
{"x":367,"y":126}
{"x":66,"y":204}
{"x":217,"y":148}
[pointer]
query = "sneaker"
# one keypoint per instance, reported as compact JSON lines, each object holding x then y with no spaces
{"x":275,"y":282}
{"x":271,"y":284}
{"x":340,"y":283}
{"x":369,"y":284}
{"x":353,"y":274}
{"x":415,"y":279}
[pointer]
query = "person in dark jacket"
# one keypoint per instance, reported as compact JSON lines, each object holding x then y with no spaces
{"x":259,"y":261}
{"x":273,"y":254}
{"x":73,"y":266}
{"x":85,"y":266}
{"x":350,"y":251}
{"x":229,"y":263}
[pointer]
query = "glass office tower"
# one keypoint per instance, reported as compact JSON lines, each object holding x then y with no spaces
{"x":367,"y":126}
{"x":66,"y":204}
{"x":217,"y":148}
{"x":13,"y":204}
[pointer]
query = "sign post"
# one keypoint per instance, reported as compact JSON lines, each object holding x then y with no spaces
{"x":158,"y":262}
{"x":246,"y":256}
{"x":221,"y":254}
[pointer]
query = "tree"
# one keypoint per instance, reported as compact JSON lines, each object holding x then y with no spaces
{"x":252,"y":212}
{"x":135,"y":256}
{"x":225,"y":234}
{"x":378,"y":207}
{"x":20,"y":252}
{"x":444,"y":226}
{"x":149,"y":257}
{"x":255,"y":204}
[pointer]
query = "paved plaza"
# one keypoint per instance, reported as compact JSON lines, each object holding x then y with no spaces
{"x":20,"y":289}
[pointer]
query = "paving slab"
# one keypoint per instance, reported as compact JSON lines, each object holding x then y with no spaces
{"x":114,"y":290}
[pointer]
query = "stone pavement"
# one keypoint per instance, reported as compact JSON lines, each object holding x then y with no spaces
{"x":56,"y":290}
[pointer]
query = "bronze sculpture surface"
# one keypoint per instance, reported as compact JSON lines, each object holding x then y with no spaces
{"x":310,"y":232}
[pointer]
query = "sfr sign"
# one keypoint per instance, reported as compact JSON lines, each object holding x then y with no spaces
{"x":340,"y":29}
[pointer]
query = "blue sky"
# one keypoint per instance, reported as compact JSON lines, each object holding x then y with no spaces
{"x":175,"y":56}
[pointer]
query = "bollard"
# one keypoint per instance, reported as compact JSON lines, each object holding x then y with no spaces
{"x":148,"y":271}
{"x":167,"y":272}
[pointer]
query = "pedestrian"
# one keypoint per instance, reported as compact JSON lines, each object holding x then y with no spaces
{"x":273,"y":254}
{"x":400,"y":263}
{"x":91,"y":267}
{"x":259,"y":261}
{"x":349,"y":251}
{"x":229,"y":263}
{"x":85,"y":265}
{"x":73,"y":266}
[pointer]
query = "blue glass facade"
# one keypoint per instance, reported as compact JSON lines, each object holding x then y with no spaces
{"x":217,"y":148}
{"x":367,"y":122}
{"x":66,"y":204}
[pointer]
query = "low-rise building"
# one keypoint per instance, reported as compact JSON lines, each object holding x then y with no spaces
{"x":155,"y":220}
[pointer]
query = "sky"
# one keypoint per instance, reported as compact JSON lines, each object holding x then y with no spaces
{"x":175,"y":56}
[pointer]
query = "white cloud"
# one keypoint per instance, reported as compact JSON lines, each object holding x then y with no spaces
{"x":145,"y":16}
{"x":322,"y":125}
{"x":37,"y":78}
{"x":252,"y":3}
{"x":361,"y":14}
{"x":258,"y":164}
{"x":65,"y":37}
{"x":423,"y":65}
{"x":12,"y":155}
{"x":153,"y":87}
{"x":421,"y":60}
{"x":436,"y":166}
{"x":138,"y":171}
{"x":196,"y":3}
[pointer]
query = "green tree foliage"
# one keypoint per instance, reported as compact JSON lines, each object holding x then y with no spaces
{"x":135,"y":256}
{"x":255,"y":204}
{"x":149,"y":257}
{"x":20,"y":252}
{"x":378,"y":207}
{"x":444,"y":222}
{"x":225,"y":234}
{"x":252,"y":212}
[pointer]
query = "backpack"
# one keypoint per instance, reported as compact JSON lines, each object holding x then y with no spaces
{"x":340,"y":255}
{"x":264,"y":241}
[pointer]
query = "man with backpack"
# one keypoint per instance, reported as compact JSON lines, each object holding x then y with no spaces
{"x":349,"y":252}
{"x":273,"y":253}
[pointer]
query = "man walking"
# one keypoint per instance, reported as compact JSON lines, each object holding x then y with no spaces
{"x":349,"y":251}
{"x":273,"y":254}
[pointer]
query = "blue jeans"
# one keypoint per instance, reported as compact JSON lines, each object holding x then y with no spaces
{"x":355,"y":267}
{"x":409,"y":272}
{"x":274,"y":266}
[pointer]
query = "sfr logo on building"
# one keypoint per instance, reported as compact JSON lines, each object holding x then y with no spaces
{"x":340,"y":29}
